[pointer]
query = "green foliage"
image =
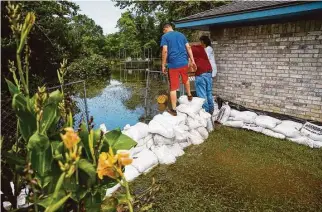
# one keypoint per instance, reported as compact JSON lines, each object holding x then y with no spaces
{"x":88,"y":66}
{"x":57,"y":169}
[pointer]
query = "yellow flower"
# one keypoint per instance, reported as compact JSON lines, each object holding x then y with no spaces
{"x":124,"y":157}
{"x":70,"y":138}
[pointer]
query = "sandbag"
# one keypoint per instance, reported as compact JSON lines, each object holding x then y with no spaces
{"x":203,"y":114}
{"x":162,"y":129}
{"x":246,"y":117}
{"x":137,"y":132}
{"x":201,"y":120}
{"x":163,"y":154}
{"x":110,"y":191}
{"x":234,"y":113}
{"x":185,"y":144}
{"x":159,"y":140}
{"x":287,"y":129}
{"x":312,"y":131}
{"x":317,"y":144}
{"x":131,"y":173}
{"x":273,"y":134}
{"x":253,"y":127}
{"x":267,"y":121}
{"x":203,"y":132}
{"x":186,"y":109}
{"x":237,"y":124}
{"x":303,"y":140}
{"x":294,"y":124}
{"x":149,"y":143}
{"x":180,"y":118}
{"x":175,"y":150}
{"x":214,"y":115}
{"x":181,"y":132}
{"x":195,"y":138}
{"x":223,"y":113}
{"x":145,"y":159}
{"x":190,"y":108}
{"x":210,"y":125}
{"x":143,"y":141}
{"x":193,"y":123}
{"x":136,"y":150}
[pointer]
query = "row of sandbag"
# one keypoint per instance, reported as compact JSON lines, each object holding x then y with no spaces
{"x":164,"y":139}
{"x":308,"y":134}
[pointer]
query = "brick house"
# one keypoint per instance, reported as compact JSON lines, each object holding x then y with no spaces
{"x":268,"y":54}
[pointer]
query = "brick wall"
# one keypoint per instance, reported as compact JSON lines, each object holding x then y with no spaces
{"x":272,"y":67}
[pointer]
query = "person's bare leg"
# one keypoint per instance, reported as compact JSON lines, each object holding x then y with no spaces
{"x":187,"y":87}
{"x":173,"y":97}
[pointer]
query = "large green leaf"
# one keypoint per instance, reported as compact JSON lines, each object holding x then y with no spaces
{"x":83,"y":134}
{"x":119,"y":141}
{"x":89,"y":169}
{"x":26,"y":118}
{"x":41,"y":163}
{"x":56,"y":205}
{"x":12,"y":88}
{"x":55,"y":97}
{"x":38,"y":142}
{"x":47,"y":201}
{"x":49,"y":116}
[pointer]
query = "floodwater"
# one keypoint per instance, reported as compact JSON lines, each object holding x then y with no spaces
{"x":122,"y":98}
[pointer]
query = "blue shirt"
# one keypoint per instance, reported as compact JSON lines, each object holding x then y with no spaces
{"x":177,"y":53}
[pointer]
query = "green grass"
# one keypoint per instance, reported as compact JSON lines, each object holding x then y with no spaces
{"x":238,"y":170}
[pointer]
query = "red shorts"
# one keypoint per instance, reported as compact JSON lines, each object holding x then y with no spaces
{"x":174,"y":74}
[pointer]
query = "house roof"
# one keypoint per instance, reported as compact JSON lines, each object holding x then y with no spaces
{"x":238,"y":7}
{"x":249,"y":11}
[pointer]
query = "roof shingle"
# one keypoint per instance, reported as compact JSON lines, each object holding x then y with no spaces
{"x":237,"y":7}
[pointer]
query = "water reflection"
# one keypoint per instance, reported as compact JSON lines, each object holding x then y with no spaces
{"x":117,"y":100}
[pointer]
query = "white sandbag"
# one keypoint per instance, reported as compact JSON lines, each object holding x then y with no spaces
{"x":215,"y":115}
{"x":180,"y":118}
{"x":253,"y":127}
{"x":185,"y":144}
{"x":234,"y":113}
{"x":136,"y":150}
{"x":181,"y":132}
{"x":267,"y":121}
{"x":288,"y":129}
{"x":162,"y":129}
{"x":273,"y":134}
{"x":224,"y":113}
{"x":303,"y":140}
{"x":246,"y":117}
{"x":131,"y":173}
{"x":127,"y":127}
{"x":294,"y":124}
{"x":150,"y":169}
{"x":159,"y":140}
{"x":201,"y":120}
{"x":145,"y":159}
{"x":163,"y":154}
{"x":317,"y":144}
{"x":203,"y":132}
{"x":237,"y":124}
{"x":183,"y":100}
{"x":193,"y":123}
{"x":210,"y":125}
{"x":143,"y":141}
{"x":186,"y":109}
{"x":312,"y":131}
{"x":203,"y":114}
{"x":110,"y":191}
{"x":149,"y":143}
{"x":175,"y":150}
{"x":137,"y":132}
{"x":195,"y":138}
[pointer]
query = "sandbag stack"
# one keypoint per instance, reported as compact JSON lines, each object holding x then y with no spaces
{"x":164,"y":139}
{"x":308,"y":134}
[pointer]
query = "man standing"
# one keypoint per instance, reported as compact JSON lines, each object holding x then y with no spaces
{"x":175,"y":51}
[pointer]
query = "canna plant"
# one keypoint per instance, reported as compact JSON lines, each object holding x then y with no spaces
{"x":66,"y":169}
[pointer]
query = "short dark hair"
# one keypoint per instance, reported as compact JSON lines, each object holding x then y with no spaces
{"x":205,"y":39}
{"x":166,"y":25}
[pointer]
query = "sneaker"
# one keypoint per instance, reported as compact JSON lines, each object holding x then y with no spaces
{"x":190,"y":98}
{"x":172,"y":112}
